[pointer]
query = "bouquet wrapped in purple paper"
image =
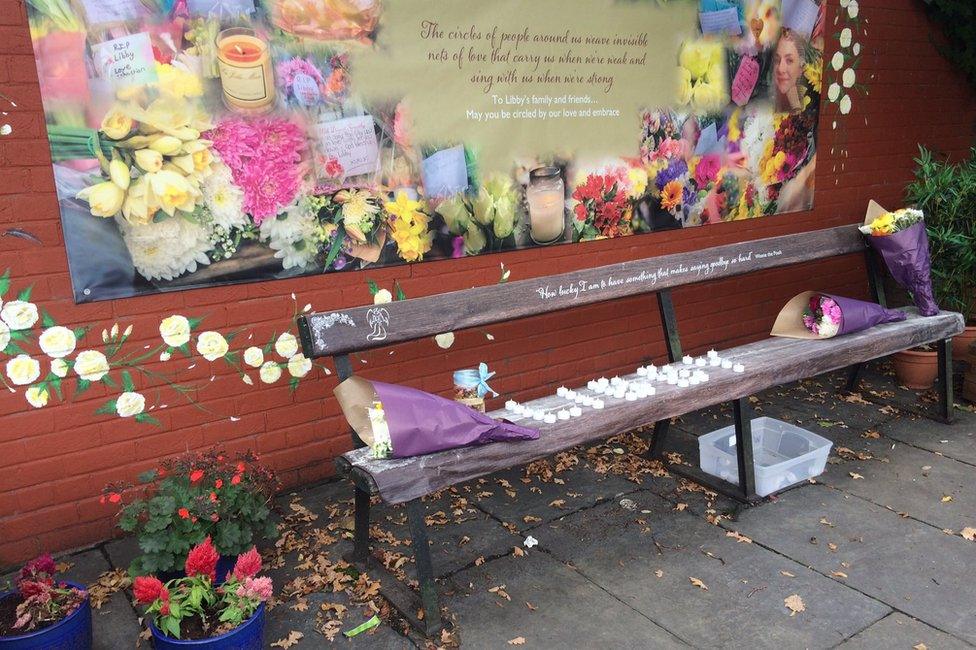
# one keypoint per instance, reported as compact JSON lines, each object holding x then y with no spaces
{"x":398,"y":422}
{"x":900,"y":238}
{"x":814,"y":315}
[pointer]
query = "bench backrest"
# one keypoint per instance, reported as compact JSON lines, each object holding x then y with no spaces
{"x":361,"y":328}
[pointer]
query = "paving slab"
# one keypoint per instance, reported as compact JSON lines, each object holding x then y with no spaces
{"x":115,"y":625}
{"x":899,"y":631}
{"x":908,"y":565}
{"x":929,"y":487}
{"x":567,"y":610}
{"x":956,"y":440}
{"x":743,"y":605}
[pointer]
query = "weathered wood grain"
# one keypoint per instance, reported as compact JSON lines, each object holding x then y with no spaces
{"x":362,"y":328}
{"x":770,"y":362}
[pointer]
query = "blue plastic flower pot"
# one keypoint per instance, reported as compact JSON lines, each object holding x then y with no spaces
{"x":248,"y":636}
{"x":71,"y":633}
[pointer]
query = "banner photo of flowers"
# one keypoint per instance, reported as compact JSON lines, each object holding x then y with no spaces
{"x":205,"y":142}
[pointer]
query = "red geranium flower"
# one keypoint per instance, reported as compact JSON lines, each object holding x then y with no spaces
{"x":202,"y":560}
{"x":146,"y":589}
{"x":235,"y":479}
{"x":240,"y":467}
{"x":196,"y":475}
{"x":248,"y":564}
{"x":213,"y":497}
{"x":219,"y":483}
{"x":183,"y":513}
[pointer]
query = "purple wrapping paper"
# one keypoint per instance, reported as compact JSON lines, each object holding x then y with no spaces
{"x":907,"y":255}
{"x":860,"y":315}
{"x":421,"y":423}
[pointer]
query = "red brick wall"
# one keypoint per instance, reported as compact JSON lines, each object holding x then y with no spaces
{"x":54,"y":461}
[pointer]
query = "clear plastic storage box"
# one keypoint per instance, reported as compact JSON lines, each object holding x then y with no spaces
{"x":784,"y":454}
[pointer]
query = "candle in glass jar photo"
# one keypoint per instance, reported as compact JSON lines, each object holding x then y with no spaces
{"x":246,"y":75}
{"x":546,"y":196}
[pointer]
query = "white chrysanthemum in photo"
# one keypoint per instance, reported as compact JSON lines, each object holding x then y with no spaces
{"x":130,"y":404}
{"x":254,"y":356}
{"x":294,"y":256}
{"x":23,"y":369}
{"x":4,"y":336}
{"x":287,"y":345}
{"x":270,"y":372}
{"x":59,"y":367}
{"x":37,"y":396}
{"x":758,"y":130}
{"x":91,"y":365}
{"x":175,"y":330}
{"x":299,"y":366}
{"x":224,"y":198}
{"x":212,"y":345}
{"x":19,"y":315}
{"x":166,"y":249}
{"x":290,"y":234}
{"x":57,"y":342}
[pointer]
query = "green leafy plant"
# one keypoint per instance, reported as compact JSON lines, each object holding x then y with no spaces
{"x":946,"y":193}
{"x":191,"y":498}
{"x":958,"y":20}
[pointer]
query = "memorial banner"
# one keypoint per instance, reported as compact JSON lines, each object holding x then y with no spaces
{"x":204,"y":142}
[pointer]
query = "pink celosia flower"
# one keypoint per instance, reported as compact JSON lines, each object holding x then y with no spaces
{"x":257,"y":588}
{"x":248,"y":564}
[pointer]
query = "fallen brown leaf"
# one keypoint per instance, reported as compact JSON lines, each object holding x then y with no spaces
{"x":659,"y":573}
{"x":739,"y":537}
{"x":969,"y":533}
{"x":531,"y":607}
{"x":519,"y":640}
{"x":698,"y":583}
{"x":788,"y":574}
{"x":855,"y":476}
{"x":795,"y":604}
{"x":839,"y":574}
{"x":292,"y":639}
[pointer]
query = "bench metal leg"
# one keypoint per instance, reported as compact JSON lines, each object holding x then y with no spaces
{"x":360,"y":549}
{"x":743,"y":449}
{"x":945,"y":380}
{"x":854,"y":377}
{"x":661,"y":428}
{"x":425,"y":568}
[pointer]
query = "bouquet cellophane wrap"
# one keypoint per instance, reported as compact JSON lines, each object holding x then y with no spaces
{"x":906,"y":254}
{"x":421,"y":423}
{"x":856,"y":315}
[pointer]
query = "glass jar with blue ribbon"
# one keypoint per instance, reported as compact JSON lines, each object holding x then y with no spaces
{"x":471,"y":386}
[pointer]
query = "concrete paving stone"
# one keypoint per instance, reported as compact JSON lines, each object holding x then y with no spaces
{"x":569,"y":610}
{"x":116,"y":624}
{"x":578,"y":487}
{"x":932,"y":488}
{"x":956,"y":440}
{"x":899,"y":631}
{"x":468,"y":534}
{"x":283,"y":619}
{"x":743,"y":606}
{"x":122,"y":551}
{"x":909,"y":565}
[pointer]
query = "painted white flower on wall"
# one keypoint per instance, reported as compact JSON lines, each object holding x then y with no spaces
{"x":837,"y":62}
{"x":845,"y":104}
{"x":59,"y":367}
{"x":270,"y":372}
{"x":299,"y":366}
{"x":444,"y":341}
{"x":853,"y":8}
{"x":175,"y":330}
{"x":23,"y":369}
{"x":37,"y":397}
{"x":57,"y":342}
{"x":4,"y":336}
{"x":212,"y":345}
{"x":91,"y":365}
{"x":19,"y":315}
{"x":130,"y":404}
{"x":254,"y":356}
{"x":849,"y":77}
{"x":845,"y":37}
{"x":286,"y":345}
{"x":382,"y":296}
{"x":833,"y":93}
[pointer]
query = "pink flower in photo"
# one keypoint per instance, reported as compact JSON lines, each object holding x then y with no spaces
{"x":288,"y":70}
{"x":707,"y":169}
{"x":269,"y":187}
{"x":669,"y":149}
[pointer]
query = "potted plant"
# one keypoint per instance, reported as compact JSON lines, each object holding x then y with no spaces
{"x":43,"y":612}
{"x":946,"y":194}
{"x":196,"y":496}
{"x":194,"y":611}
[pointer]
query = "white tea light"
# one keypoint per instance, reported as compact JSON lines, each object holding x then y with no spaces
{"x":510,"y":405}
{"x":684,"y":374}
{"x":701,"y":362}
{"x":563,"y":415}
{"x":738,"y":368}
{"x":538,"y":416}
{"x":631,"y":397}
{"x":598,"y":404}
{"x":715,"y":361}
{"x":682,"y":383}
{"x":575,"y":411}
{"x":694,"y":381}
{"x":593,"y":384}
{"x":615,"y":381}
{"x":642,"y":371}
{"x":570,"y":394}
{"x":561,"y":391}
{"x":673,"y":379}
{"x":687,"y":360}
{"x":619,"y":393}
{"x":712,"y":354}
{"x":550,"y":418}
{"x":726,"y":364}
{"x":587,"y":400}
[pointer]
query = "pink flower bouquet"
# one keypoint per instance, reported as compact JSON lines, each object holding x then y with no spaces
{"x":815,"y":315}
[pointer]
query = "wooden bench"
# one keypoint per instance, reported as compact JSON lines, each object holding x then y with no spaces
{"x":768,"y":363}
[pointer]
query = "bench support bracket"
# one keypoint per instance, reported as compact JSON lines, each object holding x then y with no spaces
{"x":425,"y":568}
{"x":945,"y":380}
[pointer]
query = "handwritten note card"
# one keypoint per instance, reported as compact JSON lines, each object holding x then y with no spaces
{"x":746,"y":78}
{"x":100,"y":12}
{"x":126,"y":61}
{"x":800,"y":16}
{"x":221,"y":8}
{"x":725,"y":21}
{"x":446,"y":172}
{"x":708,"y":141}
{"x":351,"y":141}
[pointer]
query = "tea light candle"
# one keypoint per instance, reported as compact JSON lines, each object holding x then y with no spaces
{"x":701,"y":362}
{"x":246,"y":74}
{"x":538,"y":416}
{"x":598,"y":404}
{"x":631,"y":397}
{"x":651,"y":391}
{"x":561,"y":391}
{"x":593,"y":384}
{"x":579,"y":399}
{"x":575,"y":412}
{"x":642,"y":371}
{"x":712,"y":354}
{"x":603,"y":381}
{"x":519,"y":409}
{"x":682,"y":383}
{"x":609,"y":390}
{"x":570,"y":394}
{"x":550,"y":418}
{"x":651,"y":369}
{"x":615,"y":381}
{"x":715,"y":361}
{"x":738,"y":368}
{"x":563,"y":415}
{"x":694,"y":381}
{"x":726,"y":364}
{"x":684,"y":374}
{"x":687,"y":360}
{"x":587,"y":401}
{"x":619,"y":393}
{"x":672,"y":379}
{"x":510,"y":405}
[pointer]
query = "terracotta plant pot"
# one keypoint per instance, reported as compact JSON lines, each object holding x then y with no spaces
{"x":969,"y":379}
{"x":961,"y":343}
{"x":916,"y":369}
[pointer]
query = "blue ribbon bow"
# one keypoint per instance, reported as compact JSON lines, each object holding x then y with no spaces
{"x":483,"y":377}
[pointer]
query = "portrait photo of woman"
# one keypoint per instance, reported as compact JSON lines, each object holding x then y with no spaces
{"x":787,"y":71}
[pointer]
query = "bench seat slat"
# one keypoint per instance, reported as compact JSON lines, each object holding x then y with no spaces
{"x":770,"y":362}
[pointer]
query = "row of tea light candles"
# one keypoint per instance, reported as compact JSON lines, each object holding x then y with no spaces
{"x":691,"y":374}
